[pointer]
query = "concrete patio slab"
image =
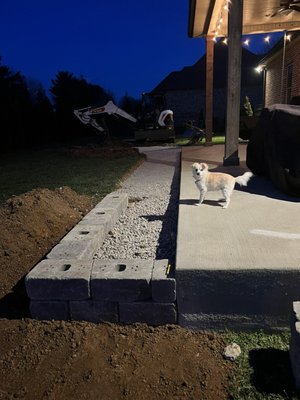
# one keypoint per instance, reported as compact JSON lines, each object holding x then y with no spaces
{"x":237,"y":267}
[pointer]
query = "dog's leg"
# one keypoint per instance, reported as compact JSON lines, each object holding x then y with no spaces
{"x":227,"y":194}
{"x":201,"y":198}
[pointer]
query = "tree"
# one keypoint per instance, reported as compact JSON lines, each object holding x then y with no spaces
{"x":15,"y":108}
{"x":70,"y":93}
{"x":42,"y":114}
{"x":130,"y":105}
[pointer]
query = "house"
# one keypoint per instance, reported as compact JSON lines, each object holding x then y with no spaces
{"x":184,"y":90}
{"x":281,"y":70}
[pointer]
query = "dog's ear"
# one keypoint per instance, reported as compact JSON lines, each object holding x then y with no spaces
{"x":204,"y":165}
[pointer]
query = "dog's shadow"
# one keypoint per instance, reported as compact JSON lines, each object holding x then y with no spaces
{"x":194,"y":202}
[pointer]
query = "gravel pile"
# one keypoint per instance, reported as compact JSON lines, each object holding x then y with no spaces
{"x":148,"y":228}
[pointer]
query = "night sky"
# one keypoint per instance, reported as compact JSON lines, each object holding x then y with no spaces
{"x":126,"y":46}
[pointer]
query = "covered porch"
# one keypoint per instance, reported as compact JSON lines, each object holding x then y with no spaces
{"x":213,"y":19}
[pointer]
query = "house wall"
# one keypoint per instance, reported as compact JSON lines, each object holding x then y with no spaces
{"x":274,"y":73}
{"x":190,"y":105}
{"x":186,"y":105}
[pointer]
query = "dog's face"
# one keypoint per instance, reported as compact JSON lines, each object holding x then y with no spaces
{"x":199,"y":170}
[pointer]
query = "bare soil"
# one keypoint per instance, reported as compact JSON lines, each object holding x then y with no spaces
{"x":81,"y":360}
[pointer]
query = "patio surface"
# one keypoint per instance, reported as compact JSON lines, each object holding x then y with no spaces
{"x":237,"y":267}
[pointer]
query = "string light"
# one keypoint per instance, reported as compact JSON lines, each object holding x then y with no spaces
{"x":246,"y":42}
{"x":220,"y":19}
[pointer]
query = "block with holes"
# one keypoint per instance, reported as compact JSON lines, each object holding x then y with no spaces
{"x":101,"y":216}
{"x":115,"y":200}
{"x":121,"y":280}
{"x":81,"y":242}
{"x":59,"y":280}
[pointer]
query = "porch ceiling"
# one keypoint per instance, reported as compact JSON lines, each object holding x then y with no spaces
{"x":258,"y":16}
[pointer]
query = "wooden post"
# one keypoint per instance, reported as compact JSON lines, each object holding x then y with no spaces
{"x":235,"y":27}
{"x":209,"y":90}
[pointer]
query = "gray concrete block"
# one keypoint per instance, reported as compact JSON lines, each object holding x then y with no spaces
{"x":121,"y":280}
{"x":295,"y":342}
{"x":48,"y":310}
{"x":71,"y":250}
{"x":94,"y":311}
{"x":81,"y":242}
{"x":115,"y":200}
{"x":148,"y":312}
{"x":101,"y":216}
{"x":163,"y":286}
{"x":59,"y":280}
{"x":93,"y":233}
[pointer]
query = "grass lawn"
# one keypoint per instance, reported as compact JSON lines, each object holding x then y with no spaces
{"x":262,"y":371}
{"x":186,"y":141}
{"x":95,"y":175}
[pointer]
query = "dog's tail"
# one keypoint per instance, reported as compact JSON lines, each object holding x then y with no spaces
{"x":243,"y":179}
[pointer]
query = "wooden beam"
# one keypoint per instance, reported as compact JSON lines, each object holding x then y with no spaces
{"x":271,"y":27}
{"x":209,"y":90}
{"x":235,"y":25}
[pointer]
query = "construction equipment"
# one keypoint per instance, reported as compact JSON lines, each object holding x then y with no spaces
{"x":153,"y":124}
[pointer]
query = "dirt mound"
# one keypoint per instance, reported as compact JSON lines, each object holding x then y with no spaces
{"x":62,"y":360}
{"x":68,"y":360}
{"x":31,"y":224}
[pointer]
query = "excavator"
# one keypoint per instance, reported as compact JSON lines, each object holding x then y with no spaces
{"x":153,"y":124}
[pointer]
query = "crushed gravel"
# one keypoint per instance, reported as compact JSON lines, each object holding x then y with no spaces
{"x":148,"y":228}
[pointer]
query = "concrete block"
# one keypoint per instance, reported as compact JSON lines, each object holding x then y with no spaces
{"x":87,"y":232}
{"x":48,"y":310}
{"x":101,"y":216}
{"x":121,"y":280}
{"x":115,"y":200}
{"x":59,"y":280}
{"x":81,"y":242}
{"x":148,"y":312}
{"x":71,"y":250}
{"x":94,"y":311}
{"x":163,"y":286}
{"x":295,"y":342}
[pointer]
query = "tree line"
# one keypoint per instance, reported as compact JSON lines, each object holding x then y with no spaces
{"x":28,"y":117}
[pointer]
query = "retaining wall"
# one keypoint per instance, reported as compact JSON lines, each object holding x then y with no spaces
{"x":70,"y":284}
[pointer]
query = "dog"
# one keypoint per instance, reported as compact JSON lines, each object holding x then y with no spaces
{"x":206,"y":180}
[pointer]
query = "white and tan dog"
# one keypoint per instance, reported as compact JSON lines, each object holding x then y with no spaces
{"x":206,"y":180}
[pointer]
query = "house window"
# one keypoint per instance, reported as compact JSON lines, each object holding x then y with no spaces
{"x":289,"y":80}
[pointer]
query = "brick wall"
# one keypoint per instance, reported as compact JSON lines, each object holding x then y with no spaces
{"x":190,"y":104}
{"x":274,"y":74}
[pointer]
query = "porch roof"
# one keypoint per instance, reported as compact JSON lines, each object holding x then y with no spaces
{"x":209,"y":17}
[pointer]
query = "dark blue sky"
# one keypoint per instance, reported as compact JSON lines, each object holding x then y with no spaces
{"x":122,"y":45}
